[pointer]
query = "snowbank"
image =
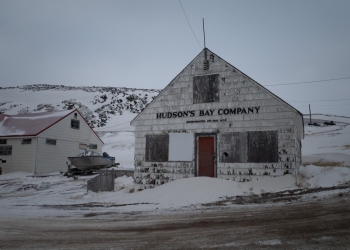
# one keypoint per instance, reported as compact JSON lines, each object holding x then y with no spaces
{"x":313,"y":176}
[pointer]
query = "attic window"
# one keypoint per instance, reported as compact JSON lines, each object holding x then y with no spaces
{"x":3,"y":141}
{"x":75,"y":115}
{"x":75,"y":124}
{"x":93,"y":146}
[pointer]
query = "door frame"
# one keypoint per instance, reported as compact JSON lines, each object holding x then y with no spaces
{"x":197,"y":135}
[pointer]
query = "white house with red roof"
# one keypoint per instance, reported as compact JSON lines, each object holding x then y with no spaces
{"x":41,"y":142}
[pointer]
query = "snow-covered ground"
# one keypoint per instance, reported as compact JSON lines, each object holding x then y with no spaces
{"x":327,"y":145}
{"x":121,"y":146}
{"x":326,"y":154}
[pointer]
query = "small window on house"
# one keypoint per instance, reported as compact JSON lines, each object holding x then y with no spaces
{"x":26,"y":141}
{"x":5,"y":150}
{"x":51,"y":141}
{"x":75,"y":124}
{"x":82,"y":146}
{"x":93,"y":146}
{"x":3,"y":141}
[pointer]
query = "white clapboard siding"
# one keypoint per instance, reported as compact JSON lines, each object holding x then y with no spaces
{"x":39,"y":157}
{"x":54,"y":157}
{"x":22,"y":158}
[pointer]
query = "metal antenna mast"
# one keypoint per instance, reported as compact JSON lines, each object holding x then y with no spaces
{"x":204,"y":33}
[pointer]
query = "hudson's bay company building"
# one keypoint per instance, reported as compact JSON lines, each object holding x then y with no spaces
{"x":213,"y":120}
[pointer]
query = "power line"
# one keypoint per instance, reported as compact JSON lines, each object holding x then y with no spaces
{"x":293,"y":83}
{"x":189,"y":24}
{"x":345,"y":104}
{"x":331,"y":100}
{"x":117,"y":125}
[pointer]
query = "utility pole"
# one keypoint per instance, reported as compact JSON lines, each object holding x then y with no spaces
{"x":310,"y":113}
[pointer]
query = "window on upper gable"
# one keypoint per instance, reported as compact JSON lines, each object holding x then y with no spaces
{"x":75,"y":124}
{"x":93,"y":146}
{"x":206,"y":89}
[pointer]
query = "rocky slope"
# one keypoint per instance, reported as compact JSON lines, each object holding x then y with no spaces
{"x":98,"y":105}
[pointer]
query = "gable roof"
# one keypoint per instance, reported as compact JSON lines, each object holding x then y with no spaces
{"x":32,"y":124}
{"x":205,"y":50}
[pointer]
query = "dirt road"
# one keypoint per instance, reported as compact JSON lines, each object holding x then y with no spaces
{"x":316,"y":224}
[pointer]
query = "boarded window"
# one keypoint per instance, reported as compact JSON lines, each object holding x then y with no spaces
{"x":263,"y":146}
{"x":82,"y":146}
{"x":181,"y":146}
{"x":233,"y":147}
{"x":5,"y":150}
{"x":157,"y":148}
{"x":254,"y":147}
{"x":206,"y":88}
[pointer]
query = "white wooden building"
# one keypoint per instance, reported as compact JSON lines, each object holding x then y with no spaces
{"x":41,"y":142}
{"x":213,"y":120}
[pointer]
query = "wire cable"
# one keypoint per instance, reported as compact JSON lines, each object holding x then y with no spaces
{"x":293,"y":83}
{"x":189,"y":24}
{"x":116,"y":125}
{"x":331,"y":100}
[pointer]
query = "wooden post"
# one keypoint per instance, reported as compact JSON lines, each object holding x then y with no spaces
{"x":310,"y":113}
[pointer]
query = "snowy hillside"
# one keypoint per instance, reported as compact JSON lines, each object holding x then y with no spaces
{"x":102,"y":107}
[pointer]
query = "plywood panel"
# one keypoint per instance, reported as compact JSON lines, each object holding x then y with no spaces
{"x":206,"y":88}
{"x":181,"y":146}
{"x":233,"y":147}
{"x":263,"y":146}
{"x":157,"y":148}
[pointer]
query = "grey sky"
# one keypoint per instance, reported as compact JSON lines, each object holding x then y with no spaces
{"x":146,"y":43}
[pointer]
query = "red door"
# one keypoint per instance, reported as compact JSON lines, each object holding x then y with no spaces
{"x":206,"y":156}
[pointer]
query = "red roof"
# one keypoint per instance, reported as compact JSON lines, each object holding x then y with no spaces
{"x":29,"y":124}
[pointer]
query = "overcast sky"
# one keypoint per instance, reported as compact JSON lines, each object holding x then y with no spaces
{"x":146,"y":43}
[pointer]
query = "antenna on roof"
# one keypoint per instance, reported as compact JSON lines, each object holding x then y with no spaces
{"x":206,"y":62}
{"x":204,"y":32}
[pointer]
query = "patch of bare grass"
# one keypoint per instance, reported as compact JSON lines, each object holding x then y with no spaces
{"x":325,"y":163}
